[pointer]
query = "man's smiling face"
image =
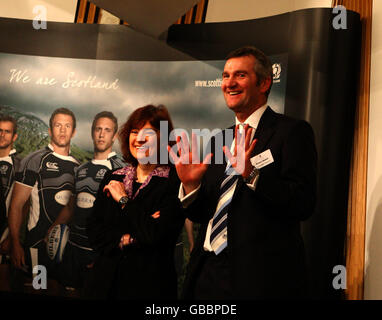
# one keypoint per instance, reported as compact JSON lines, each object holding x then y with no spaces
{"x":241,"y":90}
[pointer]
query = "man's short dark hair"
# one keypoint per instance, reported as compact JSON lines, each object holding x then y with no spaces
{"x":62,"y":111}
{"x":105,"y":114}
{"x":263,"y":66}
{"x":8,"y":118}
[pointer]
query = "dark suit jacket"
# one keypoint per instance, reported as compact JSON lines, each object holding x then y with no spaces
{"x":146,"y":268}
{"x":265,"y":248}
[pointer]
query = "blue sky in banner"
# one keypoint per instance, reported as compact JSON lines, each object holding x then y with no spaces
{"x":190,"y":89}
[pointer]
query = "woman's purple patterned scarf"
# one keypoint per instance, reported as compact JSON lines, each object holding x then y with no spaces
{"x":130,"y":173}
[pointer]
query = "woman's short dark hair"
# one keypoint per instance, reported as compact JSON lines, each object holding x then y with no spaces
{"x":154,"y":115}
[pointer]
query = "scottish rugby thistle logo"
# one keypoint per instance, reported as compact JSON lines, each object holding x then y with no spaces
{"x":276,"y":69}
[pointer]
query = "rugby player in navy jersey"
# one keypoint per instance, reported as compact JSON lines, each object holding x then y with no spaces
{"x":8,"y":164}
{"x":47,"y":178}
{"x":78,"y":255}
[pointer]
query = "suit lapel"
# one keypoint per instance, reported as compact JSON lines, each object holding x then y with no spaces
{"x":264,"y":131}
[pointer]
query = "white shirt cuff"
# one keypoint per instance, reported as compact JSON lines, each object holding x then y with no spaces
{"x":186,"y":200}
{"x":253,"y":185}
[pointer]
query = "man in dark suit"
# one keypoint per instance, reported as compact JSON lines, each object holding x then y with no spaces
{"x":250,"y":208}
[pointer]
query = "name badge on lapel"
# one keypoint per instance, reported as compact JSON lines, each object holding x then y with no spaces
{"x":262,"y":159}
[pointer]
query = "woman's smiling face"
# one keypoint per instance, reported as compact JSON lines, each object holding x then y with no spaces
{"x":143,"y":143}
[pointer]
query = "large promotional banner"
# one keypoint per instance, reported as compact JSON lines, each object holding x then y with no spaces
{"x":32,"y":87}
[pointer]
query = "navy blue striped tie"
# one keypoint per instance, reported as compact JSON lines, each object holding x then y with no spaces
{"x":218,"y":237}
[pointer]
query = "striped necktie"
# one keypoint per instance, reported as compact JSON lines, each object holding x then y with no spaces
{"x":218,"y":237}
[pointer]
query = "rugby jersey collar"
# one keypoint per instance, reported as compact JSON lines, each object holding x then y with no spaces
{"x":8,"y":157}
{"x":110,"y":155}
{"x":104,"y":162}
{"x":68,"y":158}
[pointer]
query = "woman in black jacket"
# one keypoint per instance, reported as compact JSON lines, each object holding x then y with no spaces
{"x":137,"y":216}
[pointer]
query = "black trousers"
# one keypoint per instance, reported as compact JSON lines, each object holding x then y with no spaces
{"x":213,"y":279}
